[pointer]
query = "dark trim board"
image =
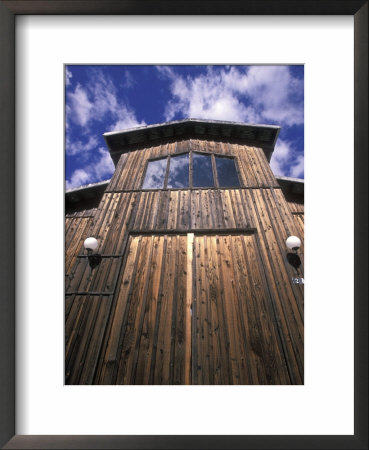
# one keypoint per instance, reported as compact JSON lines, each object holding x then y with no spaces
{"x":186,"y":442}
{"x":165,"y":7}
{"x":8,"y":10}
{"x":196,"y":231}
{"x":7,"y":225}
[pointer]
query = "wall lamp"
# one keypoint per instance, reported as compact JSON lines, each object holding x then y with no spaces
{"x":90,"y":245}
{"x":293,"y":243}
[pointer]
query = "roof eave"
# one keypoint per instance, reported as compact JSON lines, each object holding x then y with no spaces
{"x":264,"y":136}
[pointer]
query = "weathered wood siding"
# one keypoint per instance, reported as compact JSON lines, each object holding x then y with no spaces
{"x":295,"y":202}
{"x":296,"y":205}
{"x":194,"y":286}
{"x":77,"y":225}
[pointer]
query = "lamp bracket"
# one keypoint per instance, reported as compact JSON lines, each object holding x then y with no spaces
{"x":94,"y":260}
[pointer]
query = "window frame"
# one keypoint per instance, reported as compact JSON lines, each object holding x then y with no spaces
{"x":169,"y":156}
{"x":157,"y":158}
{"x":235,"y":160}
{"x":190,"y":167}
{"x":212,"y":170}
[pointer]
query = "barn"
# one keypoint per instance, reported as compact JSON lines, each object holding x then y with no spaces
{"x":192,"y":281}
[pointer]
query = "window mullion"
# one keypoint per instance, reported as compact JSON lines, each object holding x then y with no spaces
{"x":240,"y":179}
{"x":190,"y":169}
{"x":215,"y":175}
{"x":167,"y":173}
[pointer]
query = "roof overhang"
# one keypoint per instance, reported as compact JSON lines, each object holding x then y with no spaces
{"x":291,"y":185}
{"x":264,"y":136}
{"x":87,"y":192}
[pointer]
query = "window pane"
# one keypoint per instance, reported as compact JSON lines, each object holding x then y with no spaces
{"x":178,"y":171}
{"x":202,"y":171}
{"x":155,"y":174}
{"x":227,"y":173}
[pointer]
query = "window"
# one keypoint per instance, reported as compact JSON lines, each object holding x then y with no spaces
{"x":179,"y":171}
{"x":202,"y":170}
{"x":191,"y":170}
{"x":226,"y":171}
{"x":155,"y":174}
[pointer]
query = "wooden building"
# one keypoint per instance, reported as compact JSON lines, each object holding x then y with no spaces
{"x":194,"y":285}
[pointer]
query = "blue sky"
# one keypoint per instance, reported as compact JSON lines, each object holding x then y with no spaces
{"x":117,"y":97}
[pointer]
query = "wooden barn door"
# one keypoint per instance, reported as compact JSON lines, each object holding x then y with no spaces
{"x":234,"y":335}
{"x":151,"y":312}
{"x":194,"y":309}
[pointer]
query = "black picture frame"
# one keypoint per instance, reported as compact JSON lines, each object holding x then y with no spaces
{"x":8,"y":10}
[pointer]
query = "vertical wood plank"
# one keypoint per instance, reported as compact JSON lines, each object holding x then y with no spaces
{"x":188,"y":314}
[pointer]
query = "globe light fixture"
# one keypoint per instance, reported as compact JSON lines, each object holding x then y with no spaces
{"x":294,"y":243}
{"x":90,"y":245}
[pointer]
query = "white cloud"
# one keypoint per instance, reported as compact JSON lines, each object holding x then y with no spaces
{"x":280,"y":157}
{"x":205,"y":97}
{"x":98,"y":101}
{"x":268,"y":93}
{"x":125,"y":119}
{"x":103,"y":94}
{"x":276,"y":93}
{"x":94,"y":172}
{"x":79,"y":107}
{"x":68,"y":76}
{"x":78,"y":147}
{"x":286,"y":162}
{"x":78,"y":178}
{"x":105,"y":165}
{"x":166,"y":72}
{"x":129,"y":81}
{"x":297,"y":169}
